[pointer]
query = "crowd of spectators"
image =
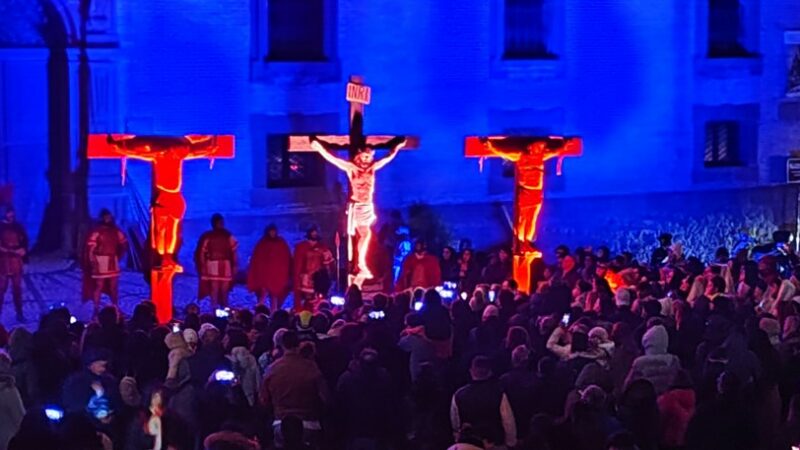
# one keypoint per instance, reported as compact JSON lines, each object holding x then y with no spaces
{"x":606,"y":353}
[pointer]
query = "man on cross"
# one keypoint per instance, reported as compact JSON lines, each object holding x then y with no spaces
{"x":168,"y":207}
{"x":529,"y":156}
{"x":361,"y":173}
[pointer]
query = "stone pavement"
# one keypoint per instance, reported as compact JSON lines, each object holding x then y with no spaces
{"x":50,"y":281}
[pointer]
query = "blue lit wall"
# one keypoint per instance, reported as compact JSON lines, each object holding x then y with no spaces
{"x":631,"y":79}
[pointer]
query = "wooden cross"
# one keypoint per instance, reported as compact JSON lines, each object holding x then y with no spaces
{"x":166,"y":155}
{"x":528,"y":154}
{"x":361,"y":214}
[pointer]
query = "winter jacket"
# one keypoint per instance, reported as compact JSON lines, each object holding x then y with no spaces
{"x":11,"y":410}
{"x":656,"y":365}
{"x":676,"y":408}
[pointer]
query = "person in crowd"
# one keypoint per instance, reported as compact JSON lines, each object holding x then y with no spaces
{"x":484,"y":405}
{"x":469,"y":273}
{"x":420,"y":269}
{"x":656,"y":365}
{"x":217,"y":262}
{"x":11,"y":408}
{"x":499,"y":268}
{"x":13,"y":252}
{"x":294,"y":386}
{"x":629,"y":357}
{"x":449,"y":265}
{"x":269,"y":273}
{"x":92,"y":391}
{"x":367,"y":401}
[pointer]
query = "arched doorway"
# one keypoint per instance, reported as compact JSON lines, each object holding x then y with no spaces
{"x":35,"y":156}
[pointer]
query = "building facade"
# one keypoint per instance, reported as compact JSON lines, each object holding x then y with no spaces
{"x":688,"y":108}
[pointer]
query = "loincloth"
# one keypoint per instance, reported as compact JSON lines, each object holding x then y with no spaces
{"x":220,"y":270}
{"x":105,"y":266}
{"x":170,"y":204}
{"x":360,"y":215}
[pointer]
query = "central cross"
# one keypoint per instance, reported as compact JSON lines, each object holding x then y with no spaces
{"x":360,"y":168}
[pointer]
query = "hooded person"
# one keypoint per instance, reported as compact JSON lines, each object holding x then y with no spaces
{"x":93,"y":390}
{"x":182,"y":401}
{"x":11,"y":408}
{"x":248,"y":373}
{"x":368,"y":400}
{"x":270,"y":268}
{"x":20,"y":349}
{"x":656,"y":365}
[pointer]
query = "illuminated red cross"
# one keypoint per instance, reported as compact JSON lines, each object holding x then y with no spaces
{"x":360,"y":168}
{"x":528,"y":154}
{"x":166,"y":155}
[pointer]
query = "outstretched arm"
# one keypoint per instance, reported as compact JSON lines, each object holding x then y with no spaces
{"x":341,"y":164}
{"x":380,"y":164}
{"x":496,"y":147}
{"x":140,"y":152}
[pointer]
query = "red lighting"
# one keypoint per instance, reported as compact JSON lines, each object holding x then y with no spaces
{"x":168,"y":206}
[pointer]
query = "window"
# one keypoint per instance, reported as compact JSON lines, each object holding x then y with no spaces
{"x":289,"y":169}
{"x":525,"y":35}
{"x":296,"y":30}
{"x":722,"y":144}
{"x":725,"y":29}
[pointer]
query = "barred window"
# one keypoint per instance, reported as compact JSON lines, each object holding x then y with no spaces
{"x":722,"y":144}
{"x":287,"y":169}
{"x":525,"y":33}
{"x":296,"y":30}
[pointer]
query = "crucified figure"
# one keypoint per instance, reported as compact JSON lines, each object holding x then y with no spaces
{"x":529,"y":156}
{"x":168,"y":205}
{"x":360,"y":208}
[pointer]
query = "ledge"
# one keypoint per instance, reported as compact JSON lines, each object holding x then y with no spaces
{"x":740,"y":67}
{"x":291,"y":72}
{"x":527,"y":68}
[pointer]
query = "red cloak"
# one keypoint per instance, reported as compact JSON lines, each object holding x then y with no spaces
{"x":421,"y":272}
{"x":270,"y":267}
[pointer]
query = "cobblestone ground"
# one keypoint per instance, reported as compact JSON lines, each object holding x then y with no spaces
{"x":51,"y":281}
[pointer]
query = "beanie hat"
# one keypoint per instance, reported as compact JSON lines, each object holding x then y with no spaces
{"x":205,"y":328}
{"x":190,"y":336}
{"x":174,"y":340}
{"x":598,"y":333}
{"x":92,"y":355}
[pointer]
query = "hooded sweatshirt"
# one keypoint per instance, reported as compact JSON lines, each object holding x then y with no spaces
{"x":656,"y":365}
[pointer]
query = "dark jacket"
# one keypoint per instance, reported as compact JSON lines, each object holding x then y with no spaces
{"x":367,"y":401}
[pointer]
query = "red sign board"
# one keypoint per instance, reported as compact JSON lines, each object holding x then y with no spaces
{"x":358,"y":93}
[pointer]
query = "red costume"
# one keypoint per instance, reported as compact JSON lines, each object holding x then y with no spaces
{"x":215,"y":257}
{"x":420,"y":270}
{"x":104,"y":247}
{"x":310,"y":259}
{"x":269,"y":271}
{"x":13,"y":247}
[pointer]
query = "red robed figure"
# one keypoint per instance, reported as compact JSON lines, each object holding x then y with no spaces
{"x":167,"y":205}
